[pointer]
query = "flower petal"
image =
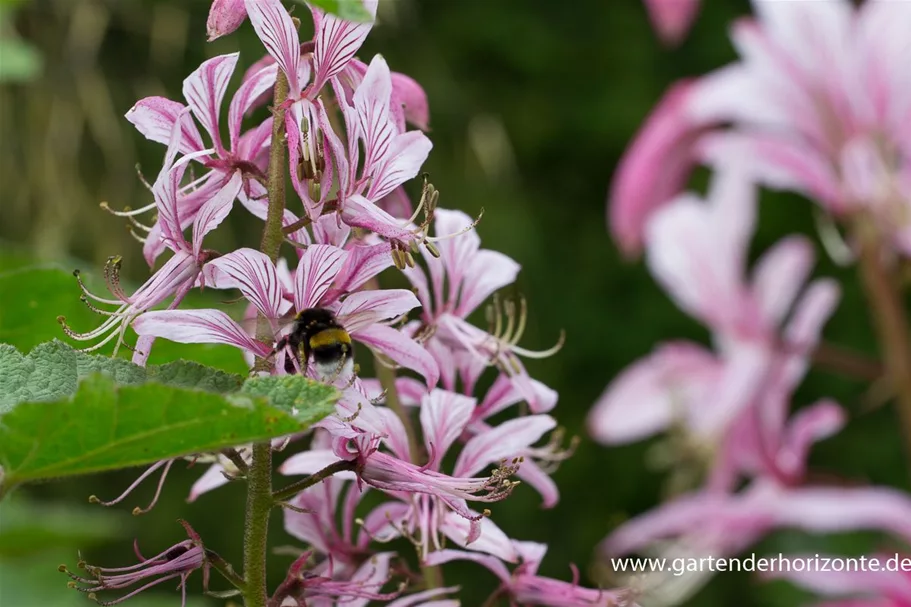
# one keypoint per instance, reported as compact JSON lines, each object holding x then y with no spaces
{"x":401,"y":349}
{"x":225,"y":16}
{"x":253,"y":273}
{"x":197,"y":327}
{"x":654,"y":168}
{"x":245,"y":97}
{"x":492,"y":541}
{"x":672,"y":18}
{"x":371,"y":101}
{"x":205,"y":89}
{"x":365,"y":308}
{"x":410,"y":96}
{"x":440,"y":557}
{"x":215,"y":210}
{"x":335,"y":43}
{"x":444,"y":416}
{"x":275,"y":29}
{"x":779,"y":275}
{"x":154,"y":117}
{"x":504,"y":441}
{"x":407,"y":153}
{"x":317,"y":268}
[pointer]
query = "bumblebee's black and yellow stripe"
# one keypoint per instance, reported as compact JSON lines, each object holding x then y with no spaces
{"x":317,"y":333}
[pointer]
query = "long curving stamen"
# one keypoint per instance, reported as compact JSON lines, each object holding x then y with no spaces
{"x":137,"y":511}
{"x":510,"y":306}
{"x":523,"y":317}
{"x":96,"y":309}
{"x":136,"y":236}
{"x":86,"y":291}
{"x":112,"y":277}
{"x":127,"y":211}
{"x":151,"y":469}
{"x":542,"y":353}
{"x":467,"y":228}
{"x":104,"y":328}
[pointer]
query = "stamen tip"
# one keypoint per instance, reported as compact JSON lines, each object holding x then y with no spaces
{"x":93,"y":499}
{"x":62,"y":569}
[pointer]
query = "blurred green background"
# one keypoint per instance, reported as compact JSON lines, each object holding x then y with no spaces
{"x":532,"y":103}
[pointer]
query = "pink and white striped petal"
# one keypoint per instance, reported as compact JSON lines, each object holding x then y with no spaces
{"x":253,"y":273}
{"x":444,"y":416}
{"x":274,"y":27}
{"x":154,"y":117}
{"x":316,"y":270}
{"x":507,"y":440}
{"x":335,"y":43}
{"x":402,"y":350}
{"x":245,"y":97}
{"x":364,"y":308}
{"x":215,"y":210}
{"x":205,"y":90}
{"x":197,"y":327}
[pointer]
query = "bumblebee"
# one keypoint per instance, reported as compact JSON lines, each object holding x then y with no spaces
{"x":316,"y":333}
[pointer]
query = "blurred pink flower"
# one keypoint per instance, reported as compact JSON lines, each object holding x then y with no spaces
{"x":870,"y":588}
{"x":823,"y":114}
{"x":764,"y":325}
{"x":525,"y":587}
{"x":672,"y":18}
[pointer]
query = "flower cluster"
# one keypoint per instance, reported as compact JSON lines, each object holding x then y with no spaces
{"x":344,"y":124}
{"x":823,"y":114}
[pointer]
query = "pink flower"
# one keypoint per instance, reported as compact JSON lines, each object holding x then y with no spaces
{"x":436,"y":502}
{"x":175,"y":563}
{"x":524,"y":586}
{"x":225,"y":16}
{"x":204,"y":91}
{"x":302,"y":587}
{"x":765,"y":324}
{"x":672,"y":18}
{"x":456,"y":283}
{"x":334,"y":44}
{"x":181,"y":272}
{"x":825,"y":115}
{"x":871,"y":588}
{"x":254,"y":274}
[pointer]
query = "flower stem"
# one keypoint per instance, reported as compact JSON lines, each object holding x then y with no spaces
{"x":275,"y":179}
{"x":296,"y":487}
{"x":259,"y":472}
{"x":433,"y":576}
{"x":256,"y":530}
{"x":889,"y":319}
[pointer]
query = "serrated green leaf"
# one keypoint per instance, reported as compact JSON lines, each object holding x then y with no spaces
{"x":307,"y":400}
{"x":105,"y":427}
{"x":190,"y":374}
{"x":52,"y":371}
{"x":47,"y":373}
{"x":350,"y":10}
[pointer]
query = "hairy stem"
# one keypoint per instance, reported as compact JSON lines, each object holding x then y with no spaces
{"x":843,"y":361}
{"x":256,"y":530}
{"x":259,"y":472}
{"x":433,"y":576}
{"x":889,"y":319}
{"x":296,"y":487}
{"x":275,"y":179}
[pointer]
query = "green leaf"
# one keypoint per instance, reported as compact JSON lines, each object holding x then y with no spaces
{"x":30,"y":527}
{"x":350,"y":10}
{"x":38,"y":294}
{"x":307,"y":400}
{"x":52,"y":371}
{"x":105,"y":427}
